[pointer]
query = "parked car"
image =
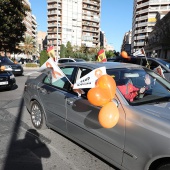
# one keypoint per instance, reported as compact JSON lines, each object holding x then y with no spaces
{"x":153,"y":63}
{"x":17,"y":69}
{"x":139,"y":141}
{"x":64,"y":60}
{"x":7,"y":80}
{"x":115,"y":59}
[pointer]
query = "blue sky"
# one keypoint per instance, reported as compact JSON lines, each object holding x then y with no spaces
{"x":116,"y":18}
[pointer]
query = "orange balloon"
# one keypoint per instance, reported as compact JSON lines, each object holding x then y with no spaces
{"x":124,"y":54}
{"x":98,"y":96}
{"x":108,"y":115}
{"x":107,"y":82}
{"x":2,"y":68}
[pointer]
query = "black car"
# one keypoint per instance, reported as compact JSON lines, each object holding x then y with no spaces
{"x":115,"y":59}
{"x":152,"y":63}
{"x":7,"y":80}
{"x":17,"y":69}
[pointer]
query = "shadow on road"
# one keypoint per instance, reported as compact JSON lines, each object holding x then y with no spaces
{"x":25,"y":154}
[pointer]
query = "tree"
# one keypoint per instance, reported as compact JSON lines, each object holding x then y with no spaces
{"x":27,"y":46}
{"x":43,"y":57}
{"x":62,"y":51}
{"x":12,"y":29}
{"x":109,"y":54}
{"x":69,"y":49}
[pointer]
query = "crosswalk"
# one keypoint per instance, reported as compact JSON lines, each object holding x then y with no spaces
{"x":31,"y":73}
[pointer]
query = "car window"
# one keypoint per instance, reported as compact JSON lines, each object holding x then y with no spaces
{"x":165,"y":62}
{"x":62,"y":82}
{"x":63,"y":61}
{"x":81,"y":72}
{"x":140,"y":85}
{"x":153,"y":64}
{"x":71,"y":60}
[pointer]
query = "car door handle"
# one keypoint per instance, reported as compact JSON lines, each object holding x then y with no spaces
{"x":70,"y":102}
{"x":42,"y":90}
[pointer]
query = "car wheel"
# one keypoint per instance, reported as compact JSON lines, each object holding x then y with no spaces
{"x":37,"y":116}
{"x":164,"y":167}
{"x":161,"y":165}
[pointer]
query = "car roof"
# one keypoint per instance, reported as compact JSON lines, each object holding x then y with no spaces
{"x":94,"y":65}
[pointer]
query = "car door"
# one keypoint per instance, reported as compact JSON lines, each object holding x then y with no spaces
{"x":52,"y":95}
{"x":83,"y":125}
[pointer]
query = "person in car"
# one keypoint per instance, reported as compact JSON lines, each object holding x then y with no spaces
{"x":129,"y":91}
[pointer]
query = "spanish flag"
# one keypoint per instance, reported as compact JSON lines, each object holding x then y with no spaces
{"x":51,"y":52}
{"x":101,"y":57}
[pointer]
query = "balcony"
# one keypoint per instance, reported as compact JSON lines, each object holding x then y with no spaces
{"x":94,"y":3}
{"x":91,"y":8}
{"x":49,"y":1}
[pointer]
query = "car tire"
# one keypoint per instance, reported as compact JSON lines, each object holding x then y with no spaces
{"x":163,"y":166}
{"x":37,"y":116}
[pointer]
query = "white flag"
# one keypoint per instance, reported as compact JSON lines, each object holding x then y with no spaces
{"x":89,"y":80}
{"x":139,"y":52}
{"x":159,"y":71}
{"x":56,"y":71}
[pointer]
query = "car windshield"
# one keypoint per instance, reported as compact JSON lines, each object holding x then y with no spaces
{"x":140,"y":85}
{"x":165,"y":62}
{"x":5,"y":60}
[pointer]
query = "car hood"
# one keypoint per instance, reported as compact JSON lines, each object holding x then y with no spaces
{"x":160,"y":110}
{"x":4,"y":73}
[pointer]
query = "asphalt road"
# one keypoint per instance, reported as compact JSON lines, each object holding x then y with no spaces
{"x":24,"y":148}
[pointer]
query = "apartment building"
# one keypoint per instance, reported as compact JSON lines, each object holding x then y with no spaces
{"x":30,"y":22}
{"x":31,"y":26}
{"x":144,"y":19}
{"x":126,"y":45}
{"x":77,"y":21}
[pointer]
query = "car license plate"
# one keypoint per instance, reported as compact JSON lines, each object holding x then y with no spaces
{"x":17,"y":69}
{"x":3,"y":82}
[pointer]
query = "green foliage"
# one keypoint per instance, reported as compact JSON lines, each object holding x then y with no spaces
{"x":31,"y":65}
{"x":109,"y":54}
{"x":12,"y":29}
{"x":43,"y":57}
{"x":69,"y":50}
{"x":62,"y":51}
{"x":27,"y":46}
{"x":83,"y":52}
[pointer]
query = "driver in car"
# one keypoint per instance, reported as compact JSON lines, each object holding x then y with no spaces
{"x":129,"y":91}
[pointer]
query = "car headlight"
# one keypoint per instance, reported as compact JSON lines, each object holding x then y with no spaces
{"x":12,"y":76}
{"x":8,"y":68}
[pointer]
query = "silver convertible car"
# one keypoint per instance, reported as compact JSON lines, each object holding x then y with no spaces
{"x":141,"y":138}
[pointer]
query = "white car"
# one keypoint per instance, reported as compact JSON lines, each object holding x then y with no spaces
{"x":65,"y":60}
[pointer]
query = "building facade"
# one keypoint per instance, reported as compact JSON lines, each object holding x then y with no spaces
{"x":30,"y":22}
{"x":126,"y":45}
{"x":144,"y":19}
{"x":76,"y":21}
{"x":42,"y":41}
{"x":158,"y":41}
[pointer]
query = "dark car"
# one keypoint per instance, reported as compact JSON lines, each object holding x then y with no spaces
{"x":153,"y":63}
{"x":139,"y":141}
{"x":7,"y":80}
{"x":17,"y":69}
{"x":115,"y":59}
{"x":65,"y":60}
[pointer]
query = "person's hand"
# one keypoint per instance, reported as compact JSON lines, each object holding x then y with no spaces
{"x":142,"y":90}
